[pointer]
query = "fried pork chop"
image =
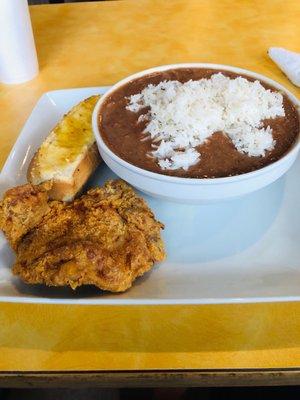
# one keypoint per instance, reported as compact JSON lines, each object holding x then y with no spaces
{"x":106,"y":238}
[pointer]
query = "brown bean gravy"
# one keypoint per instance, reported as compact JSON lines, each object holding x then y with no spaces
{"x":219,"y":157}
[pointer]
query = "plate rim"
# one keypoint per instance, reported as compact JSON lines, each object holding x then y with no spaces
{"x":101,"y":301}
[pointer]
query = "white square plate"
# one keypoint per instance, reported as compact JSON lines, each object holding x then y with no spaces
{"x":245,"y":250}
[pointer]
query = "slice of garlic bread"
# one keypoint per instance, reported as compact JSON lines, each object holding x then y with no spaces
{"x":69,"y":155}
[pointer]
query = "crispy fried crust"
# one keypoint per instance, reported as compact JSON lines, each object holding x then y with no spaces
{"x":106,"y":238}
{"x":22,"y":209}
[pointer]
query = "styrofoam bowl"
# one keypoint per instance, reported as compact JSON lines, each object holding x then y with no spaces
{"x":191,"y":190}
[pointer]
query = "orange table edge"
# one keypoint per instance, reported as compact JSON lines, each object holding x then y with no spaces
{"x":96,"y":44}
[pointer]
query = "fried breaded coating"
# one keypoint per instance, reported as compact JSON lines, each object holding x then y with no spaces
{"x":22,"y":209}
{"x":106,"y":238}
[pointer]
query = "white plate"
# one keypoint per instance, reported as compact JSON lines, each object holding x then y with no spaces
{"x":246,"y":250}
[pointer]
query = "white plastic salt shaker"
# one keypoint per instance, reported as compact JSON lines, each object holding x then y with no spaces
{"x":18,"y":59}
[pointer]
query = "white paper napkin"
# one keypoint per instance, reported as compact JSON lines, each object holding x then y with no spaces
{"x":18,"y":59}
{"x":288,"y":61}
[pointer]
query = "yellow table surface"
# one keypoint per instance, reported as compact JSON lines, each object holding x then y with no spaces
{"x":97,"y":44}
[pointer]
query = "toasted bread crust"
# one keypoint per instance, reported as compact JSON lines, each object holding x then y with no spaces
{"x":33,"y":171}
{"x":66,"y":191}
{"x":74,"y":132}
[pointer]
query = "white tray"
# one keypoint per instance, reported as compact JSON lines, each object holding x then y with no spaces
{"x":246,"y":250}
